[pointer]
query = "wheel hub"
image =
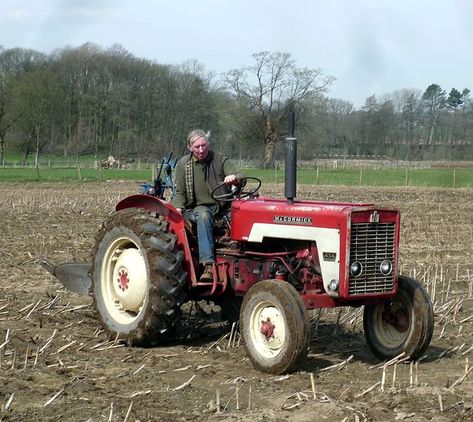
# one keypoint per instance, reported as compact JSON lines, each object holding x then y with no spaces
{"x":130,"y":279}
{"x":267,"y":328}
{"x":397,"y":318}
{"x":123,"y":279}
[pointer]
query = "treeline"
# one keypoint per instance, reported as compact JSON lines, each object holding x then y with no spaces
{"x":91,"y":100}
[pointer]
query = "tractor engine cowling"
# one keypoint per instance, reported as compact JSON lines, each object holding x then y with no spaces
{"x":356,"y":244}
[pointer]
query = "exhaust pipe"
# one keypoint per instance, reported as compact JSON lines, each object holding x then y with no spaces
{"x":290,"y":171}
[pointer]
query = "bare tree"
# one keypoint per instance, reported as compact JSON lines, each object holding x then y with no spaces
{"x":270,"y":88}
{"x":34,"y":95}
{"x":434,"y":99}
{"x":14,"y":63}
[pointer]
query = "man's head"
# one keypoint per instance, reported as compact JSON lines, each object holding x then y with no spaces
{"x":198,"y":144}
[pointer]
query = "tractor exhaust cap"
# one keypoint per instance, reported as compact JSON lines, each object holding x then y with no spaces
{"x":290,"y":171}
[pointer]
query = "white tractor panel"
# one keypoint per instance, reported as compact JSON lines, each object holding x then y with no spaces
{"x":327,"y":240}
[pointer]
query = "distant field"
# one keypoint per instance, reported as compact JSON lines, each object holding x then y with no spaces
{"x":444,"y":177}
{"x":53,"y":174}
{"x":432,"y":177}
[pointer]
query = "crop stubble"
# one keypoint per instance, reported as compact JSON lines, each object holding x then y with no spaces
{"x":56,"y":363}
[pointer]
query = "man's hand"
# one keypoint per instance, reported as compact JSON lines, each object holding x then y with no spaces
{"x":230,"y":179}
{"x":179,"y":210}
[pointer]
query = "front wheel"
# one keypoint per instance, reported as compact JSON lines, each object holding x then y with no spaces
{"x":274,"y":327}
{"x":403,"y":324}
{"x":137,"y":276}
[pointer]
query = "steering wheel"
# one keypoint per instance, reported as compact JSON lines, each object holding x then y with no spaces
{"x":237,"y":190}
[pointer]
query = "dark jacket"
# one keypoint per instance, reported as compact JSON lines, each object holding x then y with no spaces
{"x":215,"y":168}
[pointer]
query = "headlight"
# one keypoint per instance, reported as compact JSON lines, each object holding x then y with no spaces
{"x":386,"y":267}
{"x":333,"y":285}
{"x":356,"y":269}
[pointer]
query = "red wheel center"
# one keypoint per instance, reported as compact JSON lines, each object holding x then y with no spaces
{"x":398,"y":319}
{"x":123,"y":279}
{"x":267,"y":328}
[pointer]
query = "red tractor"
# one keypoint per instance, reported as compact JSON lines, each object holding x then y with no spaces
{"x":275,"y":259}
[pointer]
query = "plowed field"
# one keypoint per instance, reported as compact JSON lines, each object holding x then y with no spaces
{"x":57,"y":364}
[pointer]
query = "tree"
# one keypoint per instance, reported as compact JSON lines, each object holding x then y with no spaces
{"x":408,"y":109}
{"x":194,"y":101}
{"x":14,"y":63}
{"x":270,"y":88}
{"x":7,"y":116}
{"x":5,"y":122}
{"x":434,"y":100}
{"x":454,"y":100}
{"x":35,"y":94}
{"x":329,"y":126}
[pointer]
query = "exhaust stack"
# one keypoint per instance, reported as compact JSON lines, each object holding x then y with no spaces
{"x":290,"y":171}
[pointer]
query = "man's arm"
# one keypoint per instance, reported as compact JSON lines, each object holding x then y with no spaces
{"x":231,"y":172}
{"x":180,"y":198}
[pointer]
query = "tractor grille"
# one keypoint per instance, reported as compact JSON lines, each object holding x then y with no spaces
{"x":371,"y":244}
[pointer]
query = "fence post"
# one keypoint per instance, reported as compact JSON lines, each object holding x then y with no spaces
{"x":153,"y":171}
{"x":454,"y":177}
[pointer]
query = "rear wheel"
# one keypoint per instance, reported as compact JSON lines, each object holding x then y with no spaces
{"x":138,"y":280}
{"x":403,"y":324}
{"x":274,"y":327}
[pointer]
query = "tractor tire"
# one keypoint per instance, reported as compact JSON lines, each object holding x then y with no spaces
{"x":274,"y":327}
{"x":403,"y":324}
{"x":138,"y":282}
{"x":230,"y":307}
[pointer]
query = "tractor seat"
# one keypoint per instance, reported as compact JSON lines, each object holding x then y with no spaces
{"x":221,"y":223}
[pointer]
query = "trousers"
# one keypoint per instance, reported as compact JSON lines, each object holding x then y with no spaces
{"x":204,"y":217}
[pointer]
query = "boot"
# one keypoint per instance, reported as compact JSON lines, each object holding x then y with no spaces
{"x":207,"y":275}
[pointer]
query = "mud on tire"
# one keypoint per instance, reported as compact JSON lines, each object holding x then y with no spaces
{"x":137,"y":278}
{"x":404,"y":324}
{"x":274,"y":305}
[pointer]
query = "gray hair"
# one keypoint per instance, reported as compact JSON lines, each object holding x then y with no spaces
{"x":197,"y":134}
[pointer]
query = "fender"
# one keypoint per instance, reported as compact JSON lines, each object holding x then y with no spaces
{"x":176,"y":223}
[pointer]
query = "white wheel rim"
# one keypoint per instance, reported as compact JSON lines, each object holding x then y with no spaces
{"x":124,"y":280}
{"x":387,"y":333}
{"x":268,"y":344}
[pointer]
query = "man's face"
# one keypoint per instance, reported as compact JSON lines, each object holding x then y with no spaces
{"x":200,"y":149}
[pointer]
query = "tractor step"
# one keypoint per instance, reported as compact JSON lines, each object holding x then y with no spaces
{"x":219,"y":283}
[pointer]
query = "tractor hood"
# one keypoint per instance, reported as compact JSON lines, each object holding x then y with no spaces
{"x":280,"y":214}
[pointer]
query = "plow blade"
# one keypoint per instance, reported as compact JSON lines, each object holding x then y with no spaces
{"x":74,"y":276}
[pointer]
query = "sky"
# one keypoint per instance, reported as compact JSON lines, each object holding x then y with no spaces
{"x":369,"y":46}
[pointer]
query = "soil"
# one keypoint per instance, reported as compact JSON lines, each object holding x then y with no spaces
{"x":57,"y":364}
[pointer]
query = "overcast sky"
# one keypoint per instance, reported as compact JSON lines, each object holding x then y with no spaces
{"x":369,"y":46}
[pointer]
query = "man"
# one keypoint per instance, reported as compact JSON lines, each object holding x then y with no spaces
{"x":197,"y":175}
